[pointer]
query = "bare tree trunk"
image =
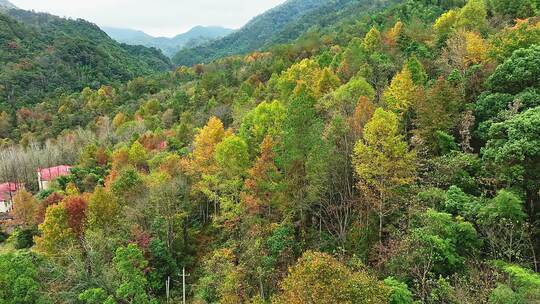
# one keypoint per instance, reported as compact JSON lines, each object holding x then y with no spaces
{"x":381,"y":215}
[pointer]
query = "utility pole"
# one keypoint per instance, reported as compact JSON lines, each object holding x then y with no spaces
{"x":167,"y":287}
{"x":184,"y":275}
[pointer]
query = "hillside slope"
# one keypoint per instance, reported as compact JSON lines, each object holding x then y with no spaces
{"x":169,"y":46}
{"x":254,"y":35}
{"x":45,"y":55}
{"x":282,"y":24}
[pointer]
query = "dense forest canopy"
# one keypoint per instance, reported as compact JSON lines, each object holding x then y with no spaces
{"x":390,"y":153}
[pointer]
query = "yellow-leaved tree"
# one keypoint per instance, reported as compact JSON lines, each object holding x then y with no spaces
{"x":202,"y":159}
{"x":320,"y":278}
{"x":402,"y":92}
{"x":383,"y":163}
{"x":477,"y":48}
{"x":202,"y":165}
{"x":444,"y":25}
{"x":372,"y":40}
{"x":56,"y":234}
{"x":25,"y":207}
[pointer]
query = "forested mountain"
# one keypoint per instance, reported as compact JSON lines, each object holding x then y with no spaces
{"x":390,"y":155}
{"x":5,"y":4}
{"x":278,"y":24}
{"x":43,"y":56}
{"x":283,"y":24}
{"x":169,"y":46}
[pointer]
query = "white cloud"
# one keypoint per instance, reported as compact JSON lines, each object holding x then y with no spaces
{"x":156,"y":17}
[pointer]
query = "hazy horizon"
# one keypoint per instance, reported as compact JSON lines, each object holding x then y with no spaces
{"x":160,"y":18}
{"x":106,"y":27}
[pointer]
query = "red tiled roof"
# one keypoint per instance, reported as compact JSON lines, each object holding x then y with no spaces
{"x":9,"y":187}
{"x":48,"y":174}
{"x":162,"y":145}
{"x":6,"y":189}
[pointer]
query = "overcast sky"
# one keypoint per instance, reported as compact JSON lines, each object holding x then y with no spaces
{"x":155,"y":17}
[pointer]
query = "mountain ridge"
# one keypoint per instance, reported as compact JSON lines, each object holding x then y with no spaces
{"x":282,"y":24}
{"x":168,"y":45}
{"x":5,"y":4}
{"x":251,"y":36}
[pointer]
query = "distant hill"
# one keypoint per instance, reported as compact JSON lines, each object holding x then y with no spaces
{"x":170,"y":46}
{"x":255,"y":34}
{"x":4,"y":4}
{"x":43,"y":55}
{"x":282,"y":24}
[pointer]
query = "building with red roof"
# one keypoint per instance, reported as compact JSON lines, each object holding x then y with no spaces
{"x":162,"y":145}
{"x":7,"y":191}
{"x":46,"y":175}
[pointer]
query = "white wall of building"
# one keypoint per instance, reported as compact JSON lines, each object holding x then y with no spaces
{"x":5,"y":206}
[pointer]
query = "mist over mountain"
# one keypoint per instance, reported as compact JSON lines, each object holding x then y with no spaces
{"x":4,"y":4}
{"x":169,"y":46}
